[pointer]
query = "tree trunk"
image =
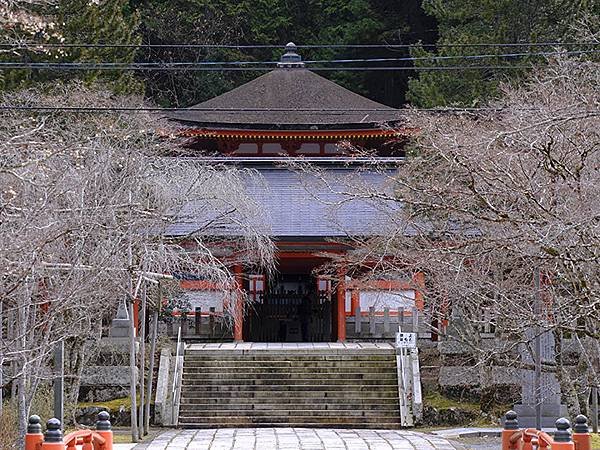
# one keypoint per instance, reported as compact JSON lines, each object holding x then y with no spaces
{"x":151,"y":371}
{"x":142,"y":360}
{"x":75,"y":355}
{"x":22,"y":407}
{"x":133,"y":378}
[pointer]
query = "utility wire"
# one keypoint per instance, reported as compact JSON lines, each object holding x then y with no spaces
{"x":9,"y":64}
{"x":39,"y":46}
{"x":442,"y":58}
{"x":169,"y":67}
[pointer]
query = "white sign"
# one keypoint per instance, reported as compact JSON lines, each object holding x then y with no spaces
{"x":406,"y":340}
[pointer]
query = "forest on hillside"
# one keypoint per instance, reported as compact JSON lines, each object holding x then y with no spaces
{"x":442,"y":33}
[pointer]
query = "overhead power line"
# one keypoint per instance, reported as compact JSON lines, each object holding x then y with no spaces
{"x":191,"y":64}
{"x":39,"y":46}
{"x":169,"y":67}
{"x":451,"y":57}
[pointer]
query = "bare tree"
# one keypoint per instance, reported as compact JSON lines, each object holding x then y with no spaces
{"x":90,"y":207}
{"x":484,"y":200}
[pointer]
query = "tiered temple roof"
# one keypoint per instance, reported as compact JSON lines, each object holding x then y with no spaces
{"x":290,"y":97}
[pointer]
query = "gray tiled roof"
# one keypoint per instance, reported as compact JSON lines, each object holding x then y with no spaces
{"x":295,"y":90}
{"x":304,"y":205}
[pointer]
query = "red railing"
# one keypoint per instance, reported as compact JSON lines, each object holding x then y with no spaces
{"x":514,"y":438}
{"x":52,"y":439}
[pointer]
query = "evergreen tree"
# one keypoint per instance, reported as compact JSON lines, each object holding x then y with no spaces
{"x":276,"y":22}
{"x":488,"y":21}
{"x":79,"y":22}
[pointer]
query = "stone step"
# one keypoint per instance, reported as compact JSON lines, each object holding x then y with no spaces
{"x":296,"y":365}
{"x":341,"y":388}
{"x":394,"y":425}
{"x":331,"y":384}
{"x":276,"y":407}
{"x":204,"y":356}
{"x":288,"y":390}
{"x":311,"y":394}
{"x":295,"y":413}
{"x":383,"y":350}
{"x":189,"y":374}
{"x":288,"y":421}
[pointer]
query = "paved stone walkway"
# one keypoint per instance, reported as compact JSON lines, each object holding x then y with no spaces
{"x":296,"y":438}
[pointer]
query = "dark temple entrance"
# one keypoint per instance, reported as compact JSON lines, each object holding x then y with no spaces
{"x":293,"y":308}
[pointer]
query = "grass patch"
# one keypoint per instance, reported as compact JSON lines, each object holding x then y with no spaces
{"x":111,"y":405}
{"x":595,"y":441}
{"x":122,"y":438}
{"x":438,"y":401}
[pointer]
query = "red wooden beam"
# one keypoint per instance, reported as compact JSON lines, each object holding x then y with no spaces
{"x":296,"y":134}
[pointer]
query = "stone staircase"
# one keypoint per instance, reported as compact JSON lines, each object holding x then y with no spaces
{"x":324,"y":387}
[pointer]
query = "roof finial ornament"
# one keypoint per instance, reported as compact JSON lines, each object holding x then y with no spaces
{"x":290,"y":58}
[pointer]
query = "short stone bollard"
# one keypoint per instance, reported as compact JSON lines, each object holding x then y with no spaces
{"x":34,"y":436}
{"x":581,"y":433}
{"x":53,"y":437}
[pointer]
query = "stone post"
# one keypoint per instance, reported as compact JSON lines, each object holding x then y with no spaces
{"x":59,"y":381}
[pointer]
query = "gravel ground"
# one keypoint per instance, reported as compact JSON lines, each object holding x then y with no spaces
{"x":479,"y":443}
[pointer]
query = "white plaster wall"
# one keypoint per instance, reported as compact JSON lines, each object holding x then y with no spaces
{"x":205,"y":300}
{"x":382,"y":299}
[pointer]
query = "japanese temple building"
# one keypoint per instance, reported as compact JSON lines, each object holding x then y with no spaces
{"x":287,"y":113}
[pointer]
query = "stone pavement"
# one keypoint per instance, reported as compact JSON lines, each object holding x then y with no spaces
{"x":296,"y":438}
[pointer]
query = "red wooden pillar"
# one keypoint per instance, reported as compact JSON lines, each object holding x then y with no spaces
{"x":419,"y":281}
{"x":136,"y":316}
{"x":341,"y":305}
{"x":354,"y":301}
{"x":238,"y":312}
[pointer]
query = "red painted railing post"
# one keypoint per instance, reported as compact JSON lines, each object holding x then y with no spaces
{"x":87,"y":442}
{"x":34,"y":436}
{"x":104,"y":429}
{"x":511,"y":425}
{"x":53,"y":438}
{"x":581,"y":434}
